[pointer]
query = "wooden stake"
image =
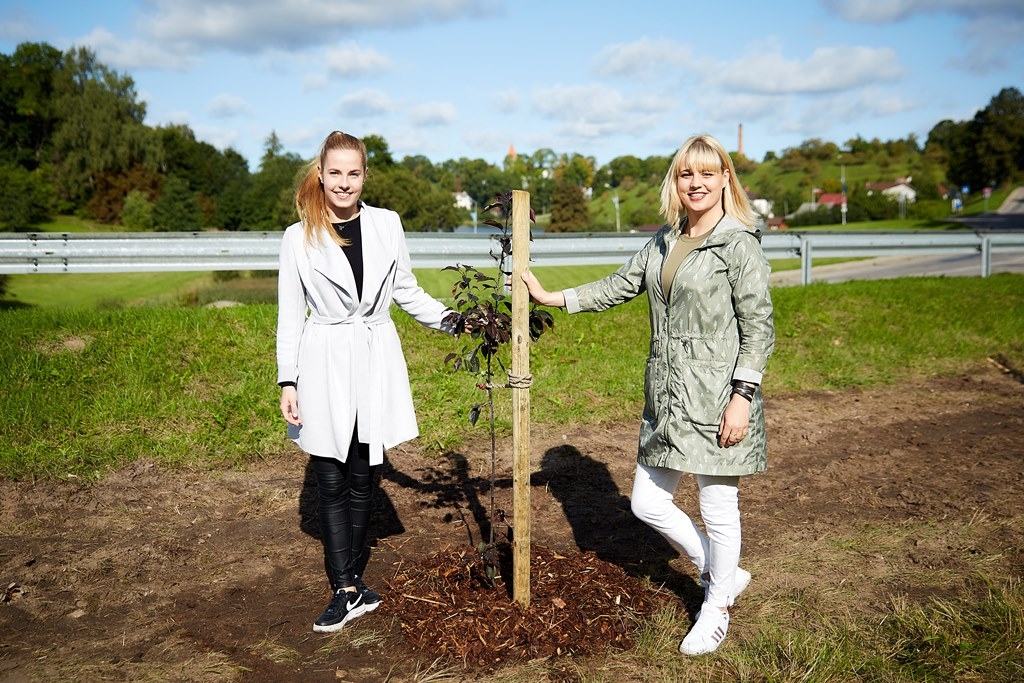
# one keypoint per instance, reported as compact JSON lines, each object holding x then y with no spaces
{"x":520,"y":399}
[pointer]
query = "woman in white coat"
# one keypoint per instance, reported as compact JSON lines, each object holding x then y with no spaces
{"x":344,"y":384}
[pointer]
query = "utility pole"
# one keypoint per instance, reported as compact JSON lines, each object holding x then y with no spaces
{"x":842,"y":179}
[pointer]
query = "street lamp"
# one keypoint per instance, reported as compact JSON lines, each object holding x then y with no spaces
{"x":615,"y":201}
{"x":842,"y":179}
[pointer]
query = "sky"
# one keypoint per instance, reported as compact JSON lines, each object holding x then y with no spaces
{"x":452,"y":79}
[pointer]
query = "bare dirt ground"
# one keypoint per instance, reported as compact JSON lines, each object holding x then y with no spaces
{"x":157,"y":575}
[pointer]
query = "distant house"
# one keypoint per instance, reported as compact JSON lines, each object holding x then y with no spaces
{"x":898,"y":190}
{"x":830,"y":199}
{"x":761,"y":206}
{"x":822,"y":199}
{"x":777,"y":223}
{"x":463,"y":200}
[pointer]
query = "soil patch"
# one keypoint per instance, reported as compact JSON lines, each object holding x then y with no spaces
{"x":157,"y":575}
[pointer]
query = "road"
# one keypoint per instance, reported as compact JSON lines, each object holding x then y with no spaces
{"x":1009,"y":216}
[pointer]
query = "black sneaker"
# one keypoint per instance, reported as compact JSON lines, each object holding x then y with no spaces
{"x":371,"y":598}
{"x":345,"y":606}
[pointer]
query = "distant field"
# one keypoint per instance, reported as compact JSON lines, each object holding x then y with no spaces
{"x":102,"y":290}
{"x":95,"y":291}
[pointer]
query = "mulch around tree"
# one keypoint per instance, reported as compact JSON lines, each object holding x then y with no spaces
{"x":579,"y":604}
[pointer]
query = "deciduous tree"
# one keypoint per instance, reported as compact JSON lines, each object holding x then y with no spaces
{"x":100,"y":126}
{"x":569,"y":211}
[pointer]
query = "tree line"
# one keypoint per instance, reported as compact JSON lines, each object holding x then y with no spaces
{"x":73,"y":141}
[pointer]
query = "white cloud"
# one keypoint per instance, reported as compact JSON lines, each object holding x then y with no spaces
{"x":989,"y":41}
{"x":254,"y":25}
{"x":349,"y":59}
{"x":826,"y":70}
{"x":505,"y":102}
{"x":733,"y":108}
{"x":596,"y":103}
{"x":364,"y":104}
{"x":315,"y":82}
{"x":182,"y":118}
{"x":221,"y":138}
{"x":226,"y":106}
{"x":16,"y":26}
{"x":845,"y":107}
{"x":491,"y":141}
{"x":433,"y":114}
{"x":992,"y":28}
{"x":871,"y":11}
{"x":589,"y":112}
{"x":307,"y":138}
{"x":644,"y":58}
{"x":136,"y":54}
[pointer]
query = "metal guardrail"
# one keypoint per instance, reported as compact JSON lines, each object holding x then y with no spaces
{"x":22,"y":253}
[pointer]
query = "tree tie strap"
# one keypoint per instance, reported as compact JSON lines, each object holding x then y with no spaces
{"x":519,"y":382}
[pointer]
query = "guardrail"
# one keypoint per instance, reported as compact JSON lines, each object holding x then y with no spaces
{"x":22,"y":253}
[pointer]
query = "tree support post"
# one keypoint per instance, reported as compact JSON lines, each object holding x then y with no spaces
{"x":520,"y":381}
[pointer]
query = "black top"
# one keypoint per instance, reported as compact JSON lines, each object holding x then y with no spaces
{"x":352,"y":231}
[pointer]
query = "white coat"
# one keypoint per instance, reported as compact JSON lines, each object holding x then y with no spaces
{"x":344,"y":354}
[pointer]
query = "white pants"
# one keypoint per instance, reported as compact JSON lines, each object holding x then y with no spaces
{"x":716,"y":553}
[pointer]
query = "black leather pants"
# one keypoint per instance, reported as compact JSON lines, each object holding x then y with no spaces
{"x":345,"y":492}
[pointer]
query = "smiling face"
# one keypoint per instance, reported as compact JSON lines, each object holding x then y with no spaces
{"x":700,"y":190}
{"x":342,"y":174}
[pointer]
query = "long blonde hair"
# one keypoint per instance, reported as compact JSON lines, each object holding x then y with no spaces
{"x":704,"y":153}
{"x":309,"y":197}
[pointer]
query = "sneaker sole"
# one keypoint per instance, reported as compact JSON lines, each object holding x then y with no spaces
{"x":349,"y":618}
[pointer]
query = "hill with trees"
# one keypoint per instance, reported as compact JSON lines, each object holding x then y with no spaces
{"x":73,"y":142}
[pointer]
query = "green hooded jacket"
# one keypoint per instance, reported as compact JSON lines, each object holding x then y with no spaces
{"x":717,"y":328}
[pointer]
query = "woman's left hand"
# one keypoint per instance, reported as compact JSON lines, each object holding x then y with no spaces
{"x":290,"y":405}
{"x":735,"y":422}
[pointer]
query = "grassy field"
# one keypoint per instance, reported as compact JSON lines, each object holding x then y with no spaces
{"x":86,"y":391}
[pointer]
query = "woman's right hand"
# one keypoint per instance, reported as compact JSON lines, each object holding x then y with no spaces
{"x":540,"y":295}
{"x":290,"y":405}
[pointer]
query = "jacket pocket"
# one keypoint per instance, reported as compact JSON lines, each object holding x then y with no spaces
{"x":703,"y":387}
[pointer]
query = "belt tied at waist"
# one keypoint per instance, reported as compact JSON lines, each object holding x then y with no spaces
{"x":366,"y":361}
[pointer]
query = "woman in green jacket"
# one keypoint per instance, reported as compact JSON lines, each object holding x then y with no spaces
{"x":706,"y":279}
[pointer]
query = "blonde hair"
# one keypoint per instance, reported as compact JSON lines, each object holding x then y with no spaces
{"x":704,"y":153}
{"x":310,"y":202}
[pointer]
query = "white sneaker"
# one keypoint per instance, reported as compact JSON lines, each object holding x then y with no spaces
{"x":707,"y":633}
{"x":741,"y":581}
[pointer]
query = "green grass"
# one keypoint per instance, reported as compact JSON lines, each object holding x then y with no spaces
{"x":127,"y":290}
{"x":892,"y":225}
{"x":86,"y":391}
{"x":94,"y":291}
{"x":973,"y":636}
{"x":102,"y":290}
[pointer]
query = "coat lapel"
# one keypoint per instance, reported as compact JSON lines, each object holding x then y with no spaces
{"x":378,"y":261}
{"x":329,"y":260}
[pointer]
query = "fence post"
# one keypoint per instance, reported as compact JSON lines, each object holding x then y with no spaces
{"x":805,"y":261}
{"x":986,"y":256}
{"x":520,"y":381}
